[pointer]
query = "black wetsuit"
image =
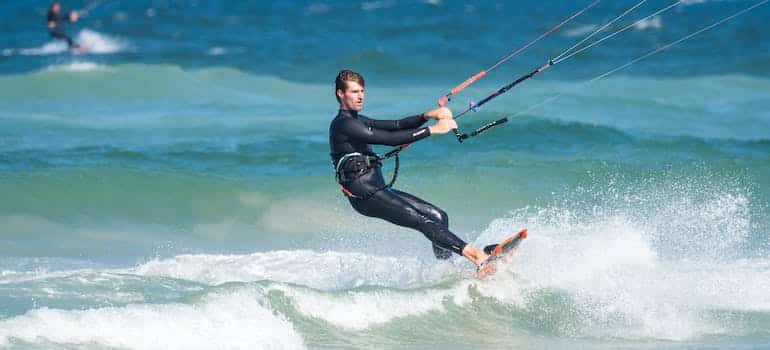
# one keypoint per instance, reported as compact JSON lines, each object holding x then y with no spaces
{"x":56,"y":31}
{"x":361,"y":176}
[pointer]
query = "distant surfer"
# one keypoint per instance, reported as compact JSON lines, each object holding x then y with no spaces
{"x":358,"y":168}
{"x":54,"y":21}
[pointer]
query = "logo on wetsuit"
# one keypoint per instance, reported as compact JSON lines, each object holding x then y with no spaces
{"x":419,"y":133}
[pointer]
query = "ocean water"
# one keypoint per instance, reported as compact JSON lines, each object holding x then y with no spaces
{"x":172,"y":189}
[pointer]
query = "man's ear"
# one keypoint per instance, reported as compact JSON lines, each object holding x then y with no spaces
{"x":340,"y":93}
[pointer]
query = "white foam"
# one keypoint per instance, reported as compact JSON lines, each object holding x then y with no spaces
{"x":233,"y":320}
{"x":10,"y":276}
{"x":357,"y":310}
{"x":318,"y":9}
{"x":645,"y":264}
{"x":650,"y":23}
{"x":580,"y":30}
{"x":50,"y":48}
{"x":216,"y":51}
{"x":328,"y":271}
{"x":437,"y":3}
{"x":98,"y":43}
{"x":594,"y":269}
{"x":376,"y":5}
{"x":78,"y":67}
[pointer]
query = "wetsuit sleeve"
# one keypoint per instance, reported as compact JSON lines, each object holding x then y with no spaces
{"x":360,"y":132}
{"x":411,"y":122}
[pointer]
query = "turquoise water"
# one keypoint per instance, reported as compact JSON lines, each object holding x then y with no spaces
{"x":172,"y":189}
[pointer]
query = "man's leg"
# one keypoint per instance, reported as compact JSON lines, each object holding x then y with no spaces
{"x":425,"y":208}
{"x":433,"y":212}
{"x":60,"y":35}
{"x":391,"y":206}
{"x":471,"y":253}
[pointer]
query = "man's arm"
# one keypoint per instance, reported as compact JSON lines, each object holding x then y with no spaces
{"x":411,"y":122}
{"x":360,"y":132}
{"x":52,"y":19}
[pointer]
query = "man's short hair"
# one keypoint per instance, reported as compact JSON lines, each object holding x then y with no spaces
{"x":344,"y":76}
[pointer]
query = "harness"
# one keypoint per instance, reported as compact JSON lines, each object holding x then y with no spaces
{"x":365,"y":162}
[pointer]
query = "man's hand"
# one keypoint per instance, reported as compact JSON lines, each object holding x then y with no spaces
{"x":439,"y":113}
{"x":443,"y":126}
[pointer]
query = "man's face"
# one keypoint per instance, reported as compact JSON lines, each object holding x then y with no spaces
{"x":352,"y":98}
{"x":56,"y":8}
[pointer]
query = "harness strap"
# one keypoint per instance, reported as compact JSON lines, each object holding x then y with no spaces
{"x":378,"y":158}
{"x":342,"y":161}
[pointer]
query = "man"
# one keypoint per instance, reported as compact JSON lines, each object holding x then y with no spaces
{"x":359,"y":174}
{"x":54,"y":28}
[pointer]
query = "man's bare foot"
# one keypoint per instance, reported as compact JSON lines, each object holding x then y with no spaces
{"x":479,"y":257}
{"x":476,"y":256}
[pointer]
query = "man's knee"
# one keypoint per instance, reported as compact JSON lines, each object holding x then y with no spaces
{"x":438,"y":215}
{"x":444,"y":217}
